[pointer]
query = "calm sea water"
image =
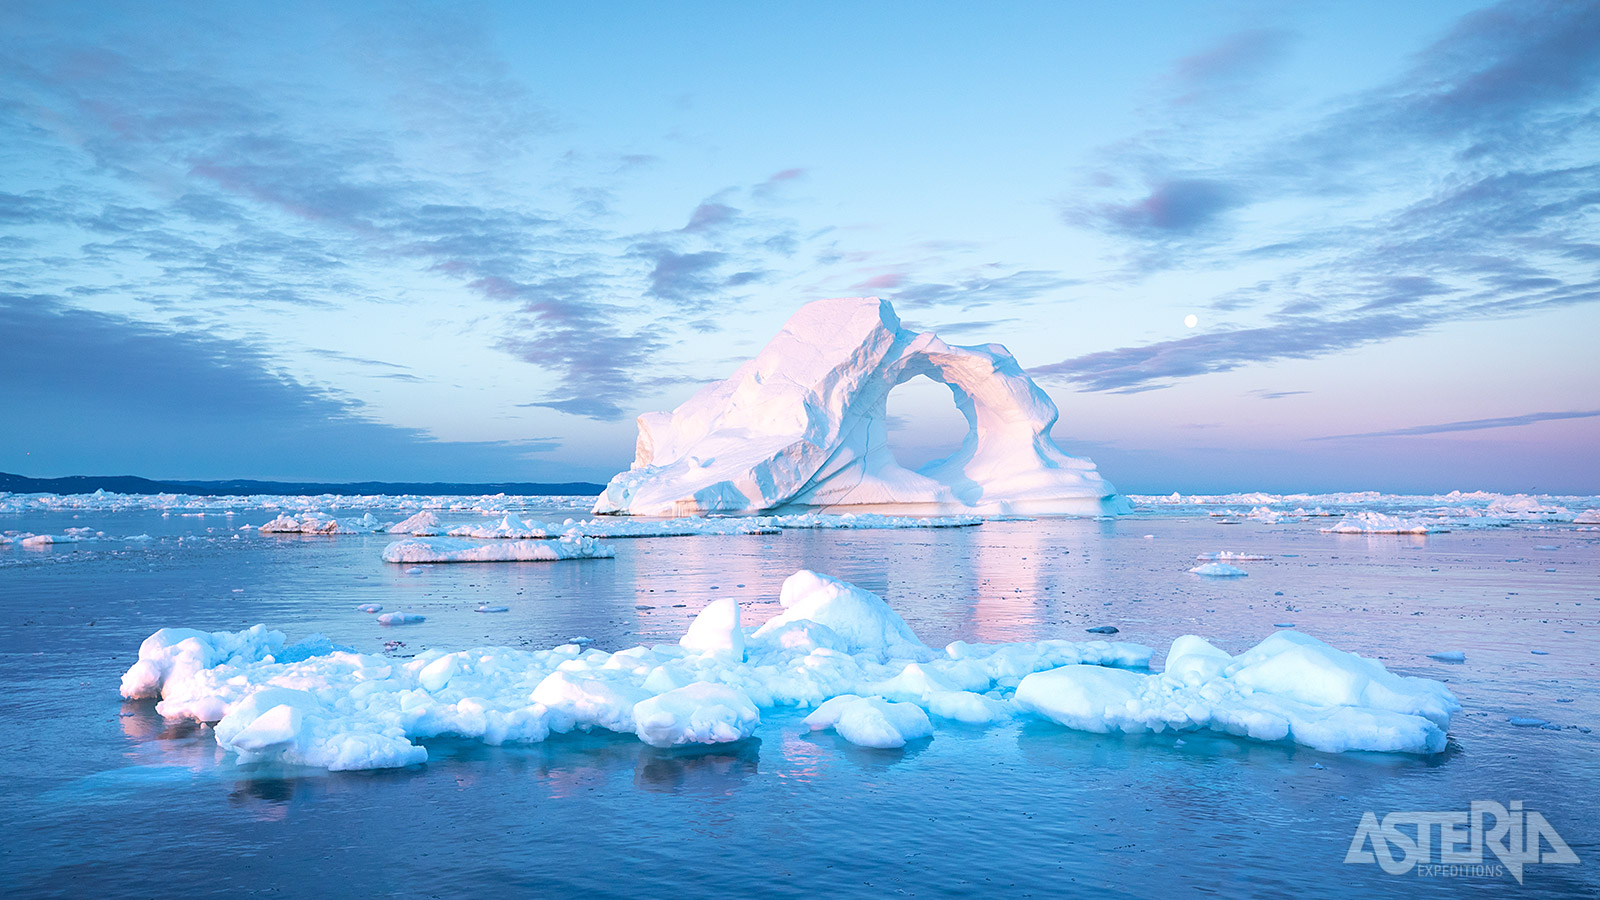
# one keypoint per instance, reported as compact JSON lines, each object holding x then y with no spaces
{"x":103,"y":798}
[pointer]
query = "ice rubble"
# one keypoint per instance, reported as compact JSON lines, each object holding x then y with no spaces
{"x":512,"y":526}
{"x":1378,"y":523}
{"x":457,"y":550}
{"x":312,"y":522}
{"x":835,"y":647}
{"x":803,"y":425}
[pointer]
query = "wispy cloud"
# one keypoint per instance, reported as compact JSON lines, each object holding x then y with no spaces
{"x":182,"y":398}
{"x":247,"y":205}
{"x":1470,"y":425}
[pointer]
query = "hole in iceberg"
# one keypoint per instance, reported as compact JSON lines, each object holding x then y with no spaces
{"x":923,"y":423}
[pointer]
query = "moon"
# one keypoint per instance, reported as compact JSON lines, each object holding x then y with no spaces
{"x":1191,"y":320}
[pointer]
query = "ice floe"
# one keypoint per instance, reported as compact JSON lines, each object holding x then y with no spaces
{"x":457,"y":550}
{"x":1218,"y":570}
{"x":835,"y":647}
{"x":313,"y":522}
{"x":1378,"y":523}
{"x":1288,"y":687}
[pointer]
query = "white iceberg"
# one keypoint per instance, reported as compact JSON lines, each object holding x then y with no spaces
{"x":802,"y":425}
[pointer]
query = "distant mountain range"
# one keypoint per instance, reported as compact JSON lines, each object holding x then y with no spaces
{"x":132,"y":484}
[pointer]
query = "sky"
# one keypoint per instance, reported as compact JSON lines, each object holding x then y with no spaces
{"x":472,"y":241}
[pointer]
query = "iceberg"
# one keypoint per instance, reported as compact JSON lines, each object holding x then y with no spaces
{"x":802,"y":426}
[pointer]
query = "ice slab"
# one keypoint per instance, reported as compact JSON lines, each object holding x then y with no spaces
{"x":803,"y":425}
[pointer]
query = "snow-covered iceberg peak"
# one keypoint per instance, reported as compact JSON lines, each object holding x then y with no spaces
{"x":803,"y":425}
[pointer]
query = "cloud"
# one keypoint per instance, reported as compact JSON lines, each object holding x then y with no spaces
{"x":1177,"y":206}
{"x":1461,"y":189}
{"x":250,"y":200}
{"x":969,"y":291}
{"x":1128,"y":369}
{"x":1230,"y":63}
{"x":93,"y":392}
{"x":1471,"y":425}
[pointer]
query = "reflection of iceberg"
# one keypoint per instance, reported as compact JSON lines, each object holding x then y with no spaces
{"x":803,"y":426}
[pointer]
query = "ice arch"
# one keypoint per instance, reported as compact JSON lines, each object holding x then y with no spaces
{"x":923,"y":423}
{"x":801,"y":426}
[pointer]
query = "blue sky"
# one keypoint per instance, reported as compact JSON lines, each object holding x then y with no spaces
{"x":472,"y":241}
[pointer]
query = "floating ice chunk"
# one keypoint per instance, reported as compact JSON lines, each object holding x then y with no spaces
{"x":859,"y":617}
{"x":370,"y":608}
{"x":181,"y":654}
{"x":1227,"y":555}
{"x":293,"y":726}
{"x":421,"y":524}
{"x":1453,"y":656}
{"x":486,"y":608}
{"x":716,"y":630}
{"x":593,"y":698}
{"x":1218,"y":570}
{"x":1587,"y":517}
{"x":1290,"y":686}
{"x":967,"y":706}
{"x":699,"y":713}
{"x":1103,"y":629}
{"x":509,"y":527}
{"x":802,"y":424}
{"x":401,"y":618}
{"x":1366,"y":522}
{"x":1528,"y":722}
{"x":307,"y":523}
{"x":454,"y":550}
{"x":872,"y":721}
{"x":1085,"y":698}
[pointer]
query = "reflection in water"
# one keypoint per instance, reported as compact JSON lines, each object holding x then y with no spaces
{"x":1010,"y":810}
{"x":698,"y":771}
